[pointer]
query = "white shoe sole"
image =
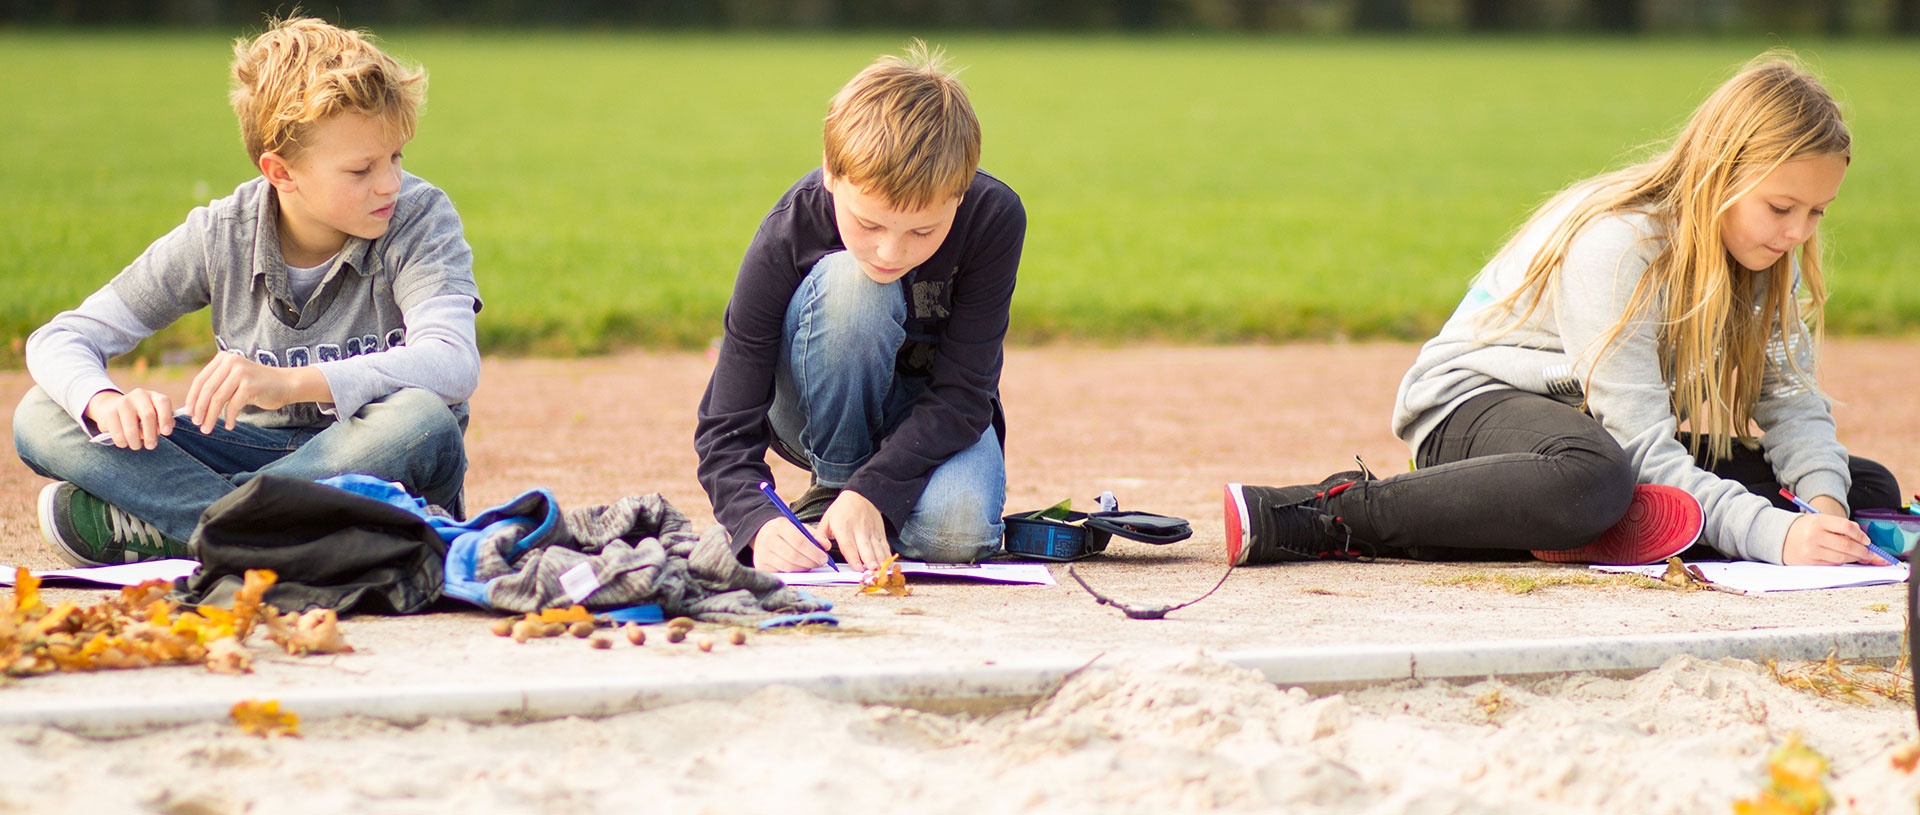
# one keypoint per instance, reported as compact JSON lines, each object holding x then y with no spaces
{"x":48,"y":494}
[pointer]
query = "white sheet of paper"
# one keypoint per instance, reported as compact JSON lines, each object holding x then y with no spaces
{"x":1759,"y":578}
{"x":124,"y":574}
{"x":1032,"y":574}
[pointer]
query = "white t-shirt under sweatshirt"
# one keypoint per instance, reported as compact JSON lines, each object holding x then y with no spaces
{"x":1557,"y":353}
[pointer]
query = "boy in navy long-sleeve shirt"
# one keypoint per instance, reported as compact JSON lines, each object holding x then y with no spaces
{"x":864,"y":338}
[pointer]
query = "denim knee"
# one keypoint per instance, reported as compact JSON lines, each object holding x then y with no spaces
{"x":418,"y":411}
{"x":959,"y":528}
{"x":40,"y":429}
{"x":410,"y":436}
{"x":859,"y":308}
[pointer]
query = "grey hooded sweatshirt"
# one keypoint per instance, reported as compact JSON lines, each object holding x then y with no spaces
{"x":1557,"y":353}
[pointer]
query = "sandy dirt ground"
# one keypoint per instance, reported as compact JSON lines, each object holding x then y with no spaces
{"x":1162,"y":726}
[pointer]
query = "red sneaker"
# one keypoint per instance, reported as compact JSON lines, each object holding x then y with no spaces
{"x":1661,"y":522}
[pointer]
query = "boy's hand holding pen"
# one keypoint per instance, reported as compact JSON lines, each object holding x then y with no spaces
{"x":767,"y":488}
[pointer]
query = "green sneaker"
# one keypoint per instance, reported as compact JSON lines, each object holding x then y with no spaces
{"x":86,"y":531}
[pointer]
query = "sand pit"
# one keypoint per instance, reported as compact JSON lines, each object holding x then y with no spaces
{"x":1157,"y":725}
{"x":1185,"y":735}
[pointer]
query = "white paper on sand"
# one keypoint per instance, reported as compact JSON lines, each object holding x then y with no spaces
{"x":124,"y":574}
{"x":1759,"y":578}
{"x":1033,"y":574}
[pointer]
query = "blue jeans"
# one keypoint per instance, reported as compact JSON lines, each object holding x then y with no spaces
{"x":835,"y":397}
{"x":410,"y":436}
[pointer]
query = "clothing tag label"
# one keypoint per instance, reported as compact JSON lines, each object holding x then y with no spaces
{"x":579,"y":582}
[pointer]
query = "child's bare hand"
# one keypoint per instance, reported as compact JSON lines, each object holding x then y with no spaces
{"x":136,"y":419}
{"x":231,"y":382}
{"x":856,"y":525}
{"x":1827,"y":540}
{"x":779,"y":547}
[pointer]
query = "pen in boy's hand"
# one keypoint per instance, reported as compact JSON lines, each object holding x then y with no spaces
{"x":1808,"y":508}
{"x":778,"y":504}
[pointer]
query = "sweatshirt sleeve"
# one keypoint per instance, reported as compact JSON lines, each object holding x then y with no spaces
{"x":732,"y":435}
{"x":432,"y":268}
{"x":440,"y":356}
{"x":964,"y":378}
{"x":1796,"y":422}
{"x":68,"y":356}
{"x":1627,"y":390}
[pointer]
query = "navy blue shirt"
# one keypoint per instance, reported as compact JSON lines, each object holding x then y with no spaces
{"x":957,"y":301}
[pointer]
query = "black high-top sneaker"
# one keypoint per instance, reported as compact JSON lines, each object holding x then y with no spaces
{"x":1287,"y":524}
{"x":812,"y":505}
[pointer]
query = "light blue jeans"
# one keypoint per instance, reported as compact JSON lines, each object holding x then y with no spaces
{"x":410,"y":436}
{"x":835,"y":397}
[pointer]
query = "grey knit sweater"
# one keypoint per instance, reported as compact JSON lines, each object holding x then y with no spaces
{"x":1557,"y":353}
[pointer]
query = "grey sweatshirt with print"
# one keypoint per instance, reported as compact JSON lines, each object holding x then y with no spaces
{"x":1557,"y":352}
{"x":390,"y":313}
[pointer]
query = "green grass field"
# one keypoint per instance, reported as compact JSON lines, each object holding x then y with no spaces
{"x":1192,"y":189}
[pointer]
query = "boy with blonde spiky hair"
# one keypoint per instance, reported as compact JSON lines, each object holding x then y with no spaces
{"x":863,"y":340}
{"x":342,"y":299}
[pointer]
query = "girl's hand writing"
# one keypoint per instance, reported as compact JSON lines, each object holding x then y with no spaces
{"x":1826,"y":540}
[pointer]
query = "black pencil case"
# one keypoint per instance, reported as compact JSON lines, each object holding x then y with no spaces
{"x":1080,"y":535}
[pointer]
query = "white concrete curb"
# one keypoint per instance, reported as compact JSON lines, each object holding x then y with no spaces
{"x":982,"y":688}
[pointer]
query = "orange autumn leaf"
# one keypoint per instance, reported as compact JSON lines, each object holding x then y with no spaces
{"x":1905,"y":758}
{"x":571,"y":614}
{"x":887,"y":578}
{"x":144,"y":594}
{"x":228,"y":656}
{"x":139,"y":628}
{"x":315,"y":632}
{"x":26,"y":591}
{"x":1796,"y":783}
{"x":247,"y":601}
{"x":54,"y":619}
{"x":264,"y":718}
{"x":216,"y":623}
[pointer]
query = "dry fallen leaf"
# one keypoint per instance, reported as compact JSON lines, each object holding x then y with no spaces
{"x":571,"y":614}
{"x":26,"y":592}
{"x":315,"y":632}
{"x":264,"y":718}
{"x":886,"y":577}
{"x":1679,"y":576}
{"x":228,"y":656}
{"x":247,"y":601}
{"x":138,"y":628}
{"x":1905,"y":758}
{"x":1796,"y":783}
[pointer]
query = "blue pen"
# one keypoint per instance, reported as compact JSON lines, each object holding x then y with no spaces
{"x":788,"y":511}
{"x":1808,"y":508}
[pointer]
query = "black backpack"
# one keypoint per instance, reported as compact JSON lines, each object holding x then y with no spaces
{"x":329,"y":547}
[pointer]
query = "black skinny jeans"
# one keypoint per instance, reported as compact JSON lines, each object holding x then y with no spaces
{"x":1511,"y":471}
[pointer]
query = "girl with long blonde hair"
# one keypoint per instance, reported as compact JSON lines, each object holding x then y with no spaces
{"x":1546,"y":416}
